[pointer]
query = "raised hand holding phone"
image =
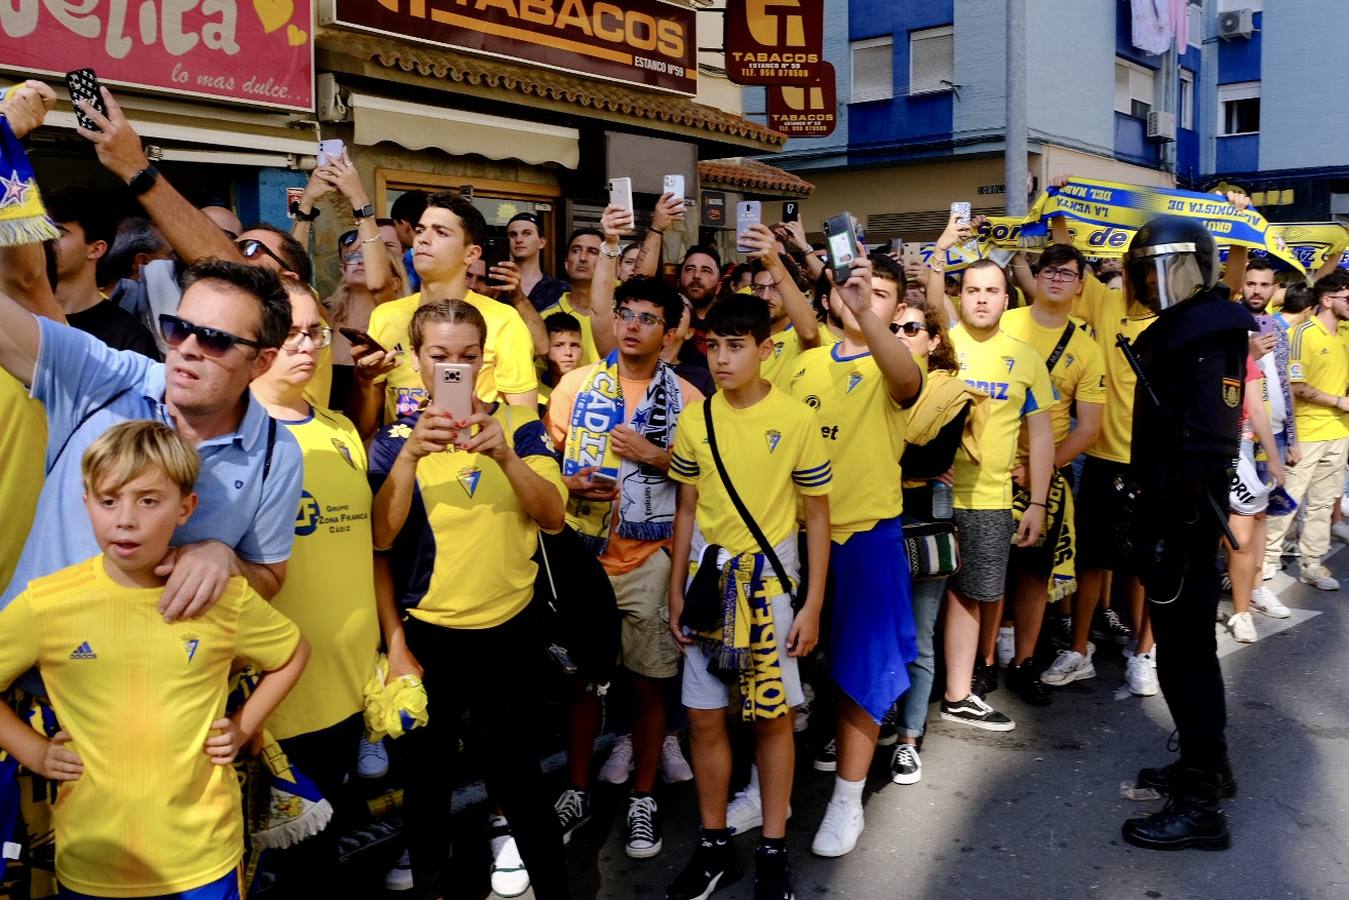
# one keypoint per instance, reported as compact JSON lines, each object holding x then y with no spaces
{"x":747,"y":214}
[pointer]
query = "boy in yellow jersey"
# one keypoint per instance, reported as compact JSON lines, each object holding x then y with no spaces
{"x":148,"y":805}
{"x":773,"y":453}
{"x":795,"y":328}
{"x":860,"y":389}
{"x":450,"y":235}
{"x":1078,"y":375}
{"x":1318,"y":370}
{"x":1017,"y":382}
{"x":565,"y":346}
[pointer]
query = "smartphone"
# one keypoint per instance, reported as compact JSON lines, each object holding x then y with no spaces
{"x":747,"y":213}
{"x":961,"y":210}
{"x":674,"y":184}
{"x":896,"y":246}
{"x":357,"y":336}
{"x":791,"y":211}
{"x":841,"y":242}
{"x":330,"y":151}
{"x":911,"y":253}
{"x":620,"y":193}
{"x":453,"y":391}
{"x":494,"y":251}
{"x":83,"y":85}
{"x":600,"y":475}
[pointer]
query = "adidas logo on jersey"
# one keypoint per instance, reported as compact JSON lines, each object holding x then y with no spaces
{"x":84,"y":651}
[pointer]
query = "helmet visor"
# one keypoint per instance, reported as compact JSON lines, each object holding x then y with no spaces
{"x":1163,"y":279}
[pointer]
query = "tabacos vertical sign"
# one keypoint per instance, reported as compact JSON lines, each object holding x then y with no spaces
{"x":645,"y":42}
{"x":807,"y":110}
{"x":260,"y":52}
{"x":774,"y":41}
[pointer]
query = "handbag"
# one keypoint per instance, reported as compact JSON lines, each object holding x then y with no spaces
{"x":933,"y":549}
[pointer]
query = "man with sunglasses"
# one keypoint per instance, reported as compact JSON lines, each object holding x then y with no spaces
{"x":230,"y":322}
{"x":1077,"y":372}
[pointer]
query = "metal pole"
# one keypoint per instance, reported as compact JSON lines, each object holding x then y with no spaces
{"x":1015,"y":160}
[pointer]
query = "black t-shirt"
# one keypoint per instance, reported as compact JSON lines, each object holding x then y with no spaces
{"x":115,"y":327}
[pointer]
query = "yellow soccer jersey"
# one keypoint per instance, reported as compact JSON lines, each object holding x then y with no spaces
{"x":508,"y":358}
{"x":773,"y":451}
{"x":150,"y":815}
{"x":329,"y":590}
{"x":1078,"y":374}
{"x":563,"y":305}
{"x":1016,"y":380}
{"x":464,"y":558}
{"x":863,"y":429}
{"x":1109,"y":315}
{"x":23,"y":447}
{"x":781,"y":364}
{"x":1319,"y":358}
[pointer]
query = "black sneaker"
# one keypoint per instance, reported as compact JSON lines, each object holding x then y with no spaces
{"x":1024,"y":681}
{"x":985,"y":679}
{"x":712,"y":868}
{"x":889,"y":728}
{"x":772,"y":874}
{"x":975,"y":712}
{"x":826,"y":758}
{"x":905,"y":766}
{"x":573,"y":811}
{"x":643,"y":827}
{"x":1110,"y":627}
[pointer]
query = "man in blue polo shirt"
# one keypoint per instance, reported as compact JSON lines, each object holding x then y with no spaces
{"x":231,"y":321}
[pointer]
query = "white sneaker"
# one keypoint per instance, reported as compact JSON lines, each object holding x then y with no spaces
{"x":674,"y":768}
{"x":618,"y":766}
{"x":371,"y":760}
{"x":745,"y":812}
{"x":1006,"y":646}
{"x":1141,"y":675}
{"x":1319,"y":577}
{"x":399,"y":878}
{"x":1266,"y":602}
{"x":1340,"y":532}
{"x":1243,"y":629}
{"x":1068,"y":666}
{"x":509,"y":876}
{"x":842,"y":826}
{"x":1268,"y":572}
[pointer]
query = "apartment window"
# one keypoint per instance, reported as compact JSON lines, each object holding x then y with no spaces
{"x":1234,"y":5}
{"x":1133,"y":89}
{"x":1186,"y":98}
{"x":1239,"y":108}
{"x":931,"y":60}
{"x":873,"y":69}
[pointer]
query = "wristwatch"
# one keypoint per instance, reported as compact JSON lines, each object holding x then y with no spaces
{"x":364,"y":212}
{"x":143,"y":180}
{"x":297,"y":213}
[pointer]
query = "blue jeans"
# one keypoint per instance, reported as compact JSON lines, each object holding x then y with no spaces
{"x":926,"y":597}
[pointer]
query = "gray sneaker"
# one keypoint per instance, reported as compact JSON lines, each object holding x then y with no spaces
{"x":1319,"y":577}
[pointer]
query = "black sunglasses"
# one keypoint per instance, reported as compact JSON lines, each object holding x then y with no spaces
{"x":252,"y":247}
{"x":212,"y":341}
{"x":910,"y":329}
{"x":347,"y":239}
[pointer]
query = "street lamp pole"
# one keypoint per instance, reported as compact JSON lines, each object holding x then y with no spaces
{"x":1015,"y":173}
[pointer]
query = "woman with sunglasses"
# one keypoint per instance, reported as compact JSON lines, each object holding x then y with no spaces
{"x":371,"y":275}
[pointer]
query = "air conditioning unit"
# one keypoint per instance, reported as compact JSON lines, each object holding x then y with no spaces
{"x":1238,"y":23}
{"x":1161,"y":126}
{"x":331,"y":107}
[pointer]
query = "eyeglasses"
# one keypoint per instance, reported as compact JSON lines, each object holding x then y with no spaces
{"x":762,"y":289}
{"x":319,"y":337}
{"x":212,"y":341}
{"x":1060,"y":274}
{"x":648,"y":319}
{"x":910,"y":329}
{"x":252,"y":248}
{"x":347,"y":239}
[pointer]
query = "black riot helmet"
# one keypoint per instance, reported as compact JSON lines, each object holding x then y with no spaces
{"x":1170,"y":260}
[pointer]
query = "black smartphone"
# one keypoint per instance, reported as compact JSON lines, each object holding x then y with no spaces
{"x":841,"y":243}
{"x":83,"y":85}
{"x":356,"y":336}
{"x":791,"y":211}
{"x":494,"y":252}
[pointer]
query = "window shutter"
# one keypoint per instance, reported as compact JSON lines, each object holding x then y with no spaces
{"x":873,"y":69}
{"x":931,"y":60}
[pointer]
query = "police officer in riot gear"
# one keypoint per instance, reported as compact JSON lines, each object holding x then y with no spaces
{"x":1191,"y":368}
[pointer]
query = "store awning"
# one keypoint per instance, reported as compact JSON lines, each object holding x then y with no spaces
{"x":752,"y":175}
{"x":417,"y":126}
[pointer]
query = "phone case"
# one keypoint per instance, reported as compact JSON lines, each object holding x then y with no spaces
{"x":748,"y":213}
{"x":962,"y":209}
{"x":620,"y":192}
{"x":674,"y":184}
{"x":83,"y":85}
{"x":329,"y":151}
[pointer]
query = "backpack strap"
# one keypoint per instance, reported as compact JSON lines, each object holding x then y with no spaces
{"x":81,"y":423}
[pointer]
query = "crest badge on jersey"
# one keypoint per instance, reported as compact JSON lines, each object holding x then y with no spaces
{"x":343,"y":449}
{"x":774,"y":437}
{"x":190,"y":644}
{"x":469,"y":478}
{"x":1011,"y":362}
{"x":853,"y":381}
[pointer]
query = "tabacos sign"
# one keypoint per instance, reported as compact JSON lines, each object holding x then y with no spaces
{"x":645,"y":42}
{"x":775,"y":41}
{"x":259,"y":52}
{"x":805,"y":111}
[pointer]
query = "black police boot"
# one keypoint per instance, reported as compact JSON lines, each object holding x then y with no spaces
{"x":1024,"y":681}
{"x":1163,"y":780}
{"x":1192,"y":817}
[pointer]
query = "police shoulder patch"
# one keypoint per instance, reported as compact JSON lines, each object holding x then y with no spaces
{"x":1232,"y":392}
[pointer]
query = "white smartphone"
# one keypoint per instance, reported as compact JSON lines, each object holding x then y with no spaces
{"x":747,"y":213}
{"x":620,"y":193}
{"x":453,"y":391}
{"x":961,"y":210}
{"x":674,"y":185}
{"x":330,"y":150}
